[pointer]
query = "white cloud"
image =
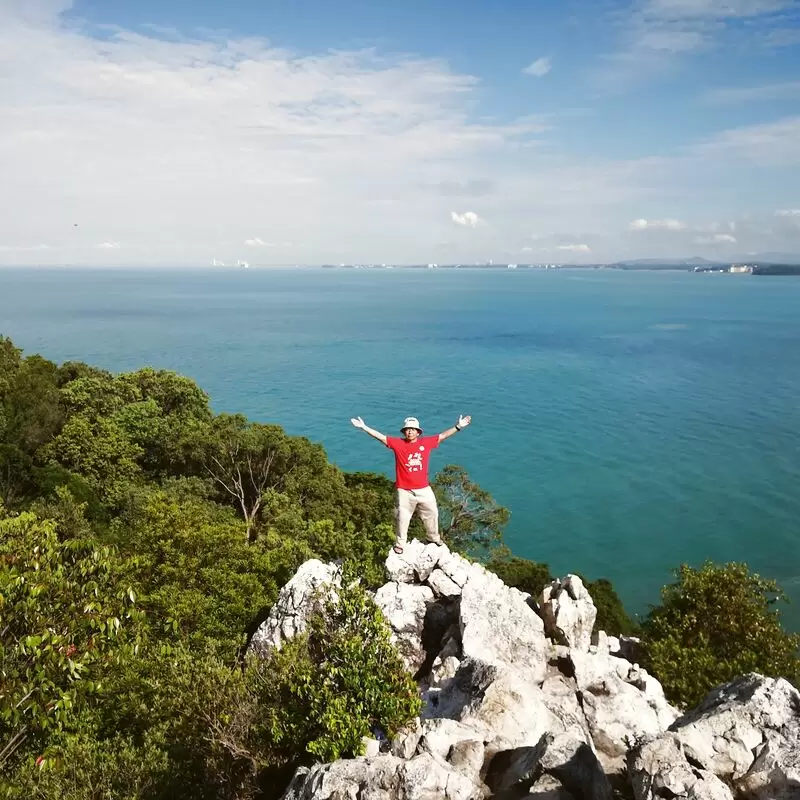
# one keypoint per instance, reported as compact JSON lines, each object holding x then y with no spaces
{"x":717,"y":238}
{"x":788,"y":212}
{"x":774,"y":143}
{"x":657,"y":225}
{"x":186,"y":147}
{"x":752,"y":94}
{"x":108,"y":246}
{"x":11,"y":248}
{"x":469,"y":219}
{"x":539,"y":68}
{"x":575,"y":248}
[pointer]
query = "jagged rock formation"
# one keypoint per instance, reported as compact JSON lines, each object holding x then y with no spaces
{"x":519,"y":703}
{"x":302,"y":596}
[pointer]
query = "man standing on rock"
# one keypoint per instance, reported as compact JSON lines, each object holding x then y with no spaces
{"x":414,"y":493}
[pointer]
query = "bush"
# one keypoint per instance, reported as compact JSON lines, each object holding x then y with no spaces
{"x":611,"y":614}
{"x":527,"y":576}
{"x":323,"y":691}
{"x":713,"y":624}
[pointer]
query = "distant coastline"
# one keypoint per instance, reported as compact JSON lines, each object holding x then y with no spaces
{"x":649,"y":265}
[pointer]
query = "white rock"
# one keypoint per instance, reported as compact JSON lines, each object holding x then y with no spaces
{"x":728,"y":732}
{"x":370,"y":747}
{"x":442,"y":585}
{"x":500,"y":702}
{"x":383,"y":778}
{"x":443,"y":669}
{"x":439,"y":736}
{"x":498,"y":626}
{"x":404,"y":606}
{"x":659,"y":769}
{"x":569,"y":612}
{"x":455,"y":567}
{"x":416,"y":562}
{"x":303,"y":595}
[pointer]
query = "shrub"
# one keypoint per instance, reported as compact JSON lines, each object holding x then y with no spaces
{"x":713,"y":624}
{"x":611,"y":614}
{"x":326,"y":689}
{"x":527,"y":576}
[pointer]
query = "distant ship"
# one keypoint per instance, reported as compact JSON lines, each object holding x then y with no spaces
{"x":242,"y":264}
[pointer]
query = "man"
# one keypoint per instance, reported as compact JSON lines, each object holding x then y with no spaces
{"x":411,"y":454}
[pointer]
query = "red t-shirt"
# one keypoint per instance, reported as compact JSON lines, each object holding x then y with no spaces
{"x":411,"y":460}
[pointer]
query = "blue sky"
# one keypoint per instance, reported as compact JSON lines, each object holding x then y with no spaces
{"x":162,"y":133}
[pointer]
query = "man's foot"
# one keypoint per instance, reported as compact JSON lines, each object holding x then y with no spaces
{"x":437,"y":540}
{"x":398,"y":549}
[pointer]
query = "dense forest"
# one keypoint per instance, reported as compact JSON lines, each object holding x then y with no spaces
{"x":142,"y":540}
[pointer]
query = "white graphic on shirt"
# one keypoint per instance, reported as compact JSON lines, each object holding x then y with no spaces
{"x":414,"y":462}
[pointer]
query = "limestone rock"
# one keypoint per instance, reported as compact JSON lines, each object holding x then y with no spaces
{"x":404,"y":605}
{"x":495,"y":700}
{"x":303,"y":595}
{"x":622,"y":703}
{"x":416,"y":562}
{"x":442,"y":585}
{"x":498,"y":626}
{"x":747,"y":732}
{"x":569,"y":612}
{"x":383,"y":778}
{"x":660,"y":769}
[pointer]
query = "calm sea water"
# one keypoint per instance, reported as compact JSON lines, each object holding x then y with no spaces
{"x":630,"y":421}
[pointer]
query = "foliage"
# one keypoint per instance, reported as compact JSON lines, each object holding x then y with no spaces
{"x":471,"y":521}
{"x":64,"y":617}
{"x":611,"y":614}
{"x":715,"y":623}
{"x":199,"y":581}
{"x":527,"y":576}
{"x":323,"y":691}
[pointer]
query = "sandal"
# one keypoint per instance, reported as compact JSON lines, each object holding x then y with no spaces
{"x":398,"y":549}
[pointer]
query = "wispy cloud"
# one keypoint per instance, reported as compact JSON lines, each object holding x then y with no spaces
{"x":752,"y":94}
{"x":469,"y":219}
{"x":256,"y":242}
{"x":653,"y":33}
{"x":539,"y":68}
{"x":108,"y":246}
{"x":769,"y":144}
{"x":657,"y":225}
{"x":574,"y":248}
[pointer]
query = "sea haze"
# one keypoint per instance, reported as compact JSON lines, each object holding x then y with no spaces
{"x":631,"y":421}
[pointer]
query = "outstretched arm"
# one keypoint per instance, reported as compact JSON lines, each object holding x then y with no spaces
{"x":460,"y":425}
{"x":359,"y":423}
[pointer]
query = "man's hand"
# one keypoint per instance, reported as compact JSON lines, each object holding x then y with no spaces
{"x":358,"y":423}
{"x":463,"y":422}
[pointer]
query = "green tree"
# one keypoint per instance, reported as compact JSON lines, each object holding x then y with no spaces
{"x":32,"y":410}
{"x":64,"y":616}
{"x":715,"y":623}
{"x":471,"y":521}
{"x":199,"y":582}
{"x":247,"y":461}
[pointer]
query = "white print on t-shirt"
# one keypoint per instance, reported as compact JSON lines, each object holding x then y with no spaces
{"x":414,"y":462}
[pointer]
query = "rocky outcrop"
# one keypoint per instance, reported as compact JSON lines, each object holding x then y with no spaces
{"x":518,"y":702}
{"x":743,"y":740}
{"x":568,"y":612}
{"x":302,"y":596}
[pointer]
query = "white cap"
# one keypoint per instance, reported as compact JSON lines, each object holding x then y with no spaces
{"x":411,"y":422}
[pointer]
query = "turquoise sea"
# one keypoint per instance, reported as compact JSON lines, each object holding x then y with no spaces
{"x":631,"y":421}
